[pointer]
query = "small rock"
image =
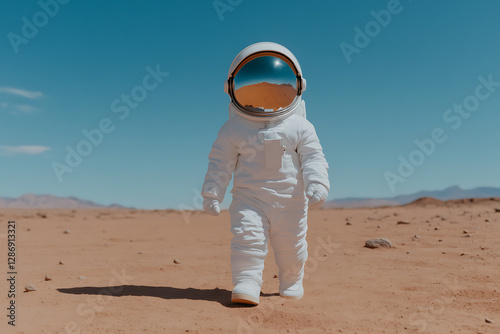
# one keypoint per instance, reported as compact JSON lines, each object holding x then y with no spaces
{"x":61,"y":262}
{"x":67,"y":231}
{"x":465,"y":232}
{"x":489,"y":321}
{"x":177,"y":261}
{"x":497,"y":209}
{"x":29,"y":288}
{"x":462,"y":254}
{"x":348,"y":223}
{"x":403,"y":222}
{"x":48,"y":278}
{"x":28,"y":229}
{"x":139,"y":252}
{"x":444,"y":253}
{"x":275,"y":276}
{"x":82,"y":277}
{"x":378,"y":226}
{"x":443,"y":218}
{"x":487,"y":220}
{"x":467,"y":236}
{"x":415,"y":237}
{"x":41,"y":215}
{"x":440,"y":240}
{"x":436,"y":228}
{"x":407,"y":252}
{"x":376,"y":243}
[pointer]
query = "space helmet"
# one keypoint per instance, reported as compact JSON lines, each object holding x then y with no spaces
{"x":264,"y":81}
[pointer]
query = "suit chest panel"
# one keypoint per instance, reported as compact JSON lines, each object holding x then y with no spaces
{"x":267,"y":145}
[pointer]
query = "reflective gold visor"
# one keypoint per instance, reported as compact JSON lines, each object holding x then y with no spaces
{"x":265,"y":84}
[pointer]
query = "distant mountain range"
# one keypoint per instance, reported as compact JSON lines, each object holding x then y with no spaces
{"x":29,"y":201}
{"x":443,"y":195}
{"x":54,"y":202}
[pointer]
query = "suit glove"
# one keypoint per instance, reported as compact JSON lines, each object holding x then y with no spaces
{"x":317,"y":194}
{"x":211,"y":206}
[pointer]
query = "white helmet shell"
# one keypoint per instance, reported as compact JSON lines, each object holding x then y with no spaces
{"x":270,"y":98}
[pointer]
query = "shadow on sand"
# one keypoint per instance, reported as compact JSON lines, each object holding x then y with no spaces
{"x":221,"y":296}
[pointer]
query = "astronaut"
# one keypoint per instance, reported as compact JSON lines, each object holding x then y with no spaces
{"x":279,"y":170}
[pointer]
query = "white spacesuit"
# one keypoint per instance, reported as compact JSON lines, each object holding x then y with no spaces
{"x":279,"y":169}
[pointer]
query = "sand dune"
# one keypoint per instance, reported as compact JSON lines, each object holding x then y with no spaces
{"x":27,"y":201}
{"x":267,"y":95}
{"x":119,"y":274}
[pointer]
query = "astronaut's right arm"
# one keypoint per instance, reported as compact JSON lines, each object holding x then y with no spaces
{"x":221,"y":163}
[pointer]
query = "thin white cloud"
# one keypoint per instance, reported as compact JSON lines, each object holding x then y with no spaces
{"x":17,"y":109}
{"x":21,"y":92}
{"x":24,"y":108}
{"x":27,"y":149}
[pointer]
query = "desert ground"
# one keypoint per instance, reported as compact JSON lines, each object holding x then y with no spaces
{"x":135,"y":271}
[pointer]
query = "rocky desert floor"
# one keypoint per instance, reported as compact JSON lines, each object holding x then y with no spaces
{"x":134,"y":271}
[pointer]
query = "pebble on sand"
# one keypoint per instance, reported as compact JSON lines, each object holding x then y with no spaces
{"x":41,"y":215}
{"x":403,"y":222}
{"x":348,"y":223}
{"x":48,"y":278}
{"x":489,"y":321}
{"x":376,"y":243}
{"x":67,"y":231}
{"x":497,"y":209}
{"x":177,"y":261}
{"x":61,"y":262}
{"x":29,"y":287}
{"x":82,"y":277}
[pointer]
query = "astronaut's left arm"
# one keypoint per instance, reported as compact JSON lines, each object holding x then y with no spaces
{"x":314,"y":166}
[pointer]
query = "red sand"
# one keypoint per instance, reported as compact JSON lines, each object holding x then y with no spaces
{"x":267,"y":95}
{"x":442,"y":282}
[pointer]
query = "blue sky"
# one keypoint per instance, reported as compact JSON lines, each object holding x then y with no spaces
{"x":368,"y":107}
